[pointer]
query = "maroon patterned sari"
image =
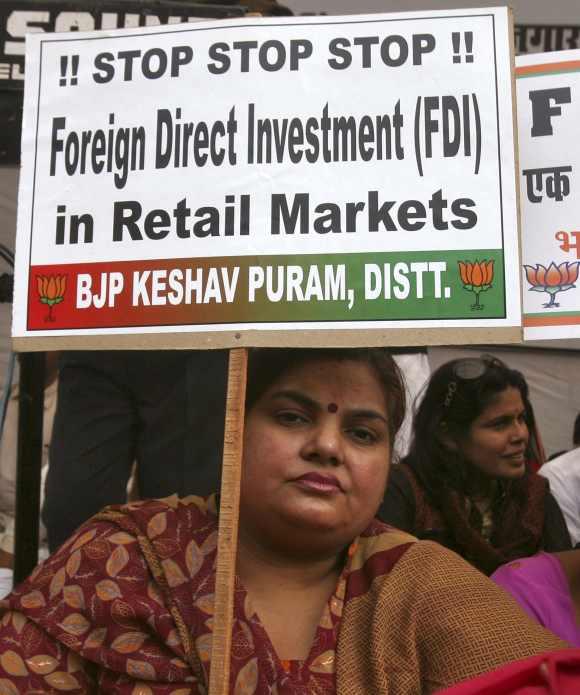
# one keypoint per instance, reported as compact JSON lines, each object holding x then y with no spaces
{"x":125,"y":607}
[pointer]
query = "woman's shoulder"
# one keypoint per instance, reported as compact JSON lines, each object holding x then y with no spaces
{"x":134,"y":540}
{"x":536,"y":480}
{"x":437,"y":570}
{"x":540,"y":569}
{"x":452,"y":591}
{"x":539,"y":562}
{"x":121,"y":552}
{"x":140,"y":508}
{"x":375,"y":553}
{"x":154,"y":517}
{"x":422,"y":558}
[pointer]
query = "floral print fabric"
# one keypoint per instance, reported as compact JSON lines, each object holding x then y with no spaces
{"x":125,"y":607}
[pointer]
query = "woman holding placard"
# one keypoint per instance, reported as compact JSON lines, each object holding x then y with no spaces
{"x":466,"y":481}
{"x":324,"y":592}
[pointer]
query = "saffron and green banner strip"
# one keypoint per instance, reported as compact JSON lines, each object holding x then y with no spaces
{"x":360,"y":287}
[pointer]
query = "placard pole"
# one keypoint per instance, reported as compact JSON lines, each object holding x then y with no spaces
{"x":228,"y":523}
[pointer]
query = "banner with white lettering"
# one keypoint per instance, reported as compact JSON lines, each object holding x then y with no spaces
{"x":548,"y":85}
{"x":346,"y":174}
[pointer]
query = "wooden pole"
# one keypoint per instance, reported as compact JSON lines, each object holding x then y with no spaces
{"x":228,"y":523}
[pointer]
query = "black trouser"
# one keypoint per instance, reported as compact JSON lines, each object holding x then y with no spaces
{"x":163,"y":409}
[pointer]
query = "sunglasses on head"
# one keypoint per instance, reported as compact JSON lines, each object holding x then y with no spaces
{"x":469,"y":369}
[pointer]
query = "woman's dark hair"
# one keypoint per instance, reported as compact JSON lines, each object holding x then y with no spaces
{"x":265,"y":366}
{"x":576,"y":432}
{"x":457,"y":393}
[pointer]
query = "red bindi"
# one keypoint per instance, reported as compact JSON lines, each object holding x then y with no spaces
{"x":332,"y":408}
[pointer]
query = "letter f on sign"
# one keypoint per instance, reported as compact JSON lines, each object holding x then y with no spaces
{"x":544,"y":107}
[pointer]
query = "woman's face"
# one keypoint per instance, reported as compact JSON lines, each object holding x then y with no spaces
{"x":497,"y":439}
{"x":316,"y":453}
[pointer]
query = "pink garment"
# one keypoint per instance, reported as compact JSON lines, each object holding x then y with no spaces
{"x":539,"y":585}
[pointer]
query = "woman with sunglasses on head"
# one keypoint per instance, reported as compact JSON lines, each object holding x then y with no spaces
{"x":466,"y":482}
{"x":327,"y":598}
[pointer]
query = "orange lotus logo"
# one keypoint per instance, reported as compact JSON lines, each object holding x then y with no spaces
{"x":476,"y":277}
{"x":51,"y":289}
{"x":552,"y":280}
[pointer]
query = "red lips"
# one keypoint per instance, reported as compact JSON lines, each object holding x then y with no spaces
{"x":319,"y":482}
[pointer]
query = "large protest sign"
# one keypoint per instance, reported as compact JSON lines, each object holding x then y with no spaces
{"x":548,"y":117}
{"x":345,"y":180}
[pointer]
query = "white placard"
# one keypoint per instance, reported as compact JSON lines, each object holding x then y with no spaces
{"x":349,"y":173}
{"x":548,"y":88}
